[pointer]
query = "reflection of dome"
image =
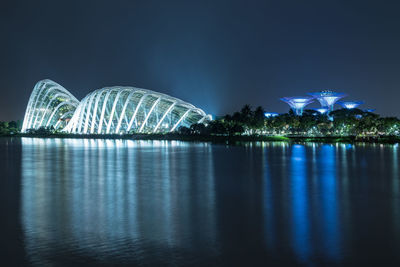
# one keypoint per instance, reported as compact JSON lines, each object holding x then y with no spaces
{"x":114,"y":110}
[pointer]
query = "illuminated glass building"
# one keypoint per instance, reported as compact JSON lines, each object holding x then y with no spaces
{"x":50,"y":104}
{"x":327,"y":98}
{"x":298,"y":103}
{"x":110,"y":110}
{"x":350,"y":104}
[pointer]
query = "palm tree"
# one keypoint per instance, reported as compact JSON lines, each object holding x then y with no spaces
{"x":246,"y":112}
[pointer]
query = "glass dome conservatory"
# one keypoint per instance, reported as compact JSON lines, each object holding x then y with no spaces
{"x":110,"y":110}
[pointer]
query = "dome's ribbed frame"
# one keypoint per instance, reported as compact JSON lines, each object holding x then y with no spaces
{"x":115,"y":110}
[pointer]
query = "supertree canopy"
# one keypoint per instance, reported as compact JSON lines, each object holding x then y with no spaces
{"x":297,"y":103}
{"x":350,"y":104}
{"x":321,"y":110}
{"x":110,"y":110}
{"x":327,"y":98}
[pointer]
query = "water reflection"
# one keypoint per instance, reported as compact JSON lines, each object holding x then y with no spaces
{"x":157,"y":202}
{"x":110,"y":199}
{"x":329,"y":212}
{"x":300,"y":212}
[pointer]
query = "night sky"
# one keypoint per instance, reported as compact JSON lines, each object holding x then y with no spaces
{"x":217,"y":55}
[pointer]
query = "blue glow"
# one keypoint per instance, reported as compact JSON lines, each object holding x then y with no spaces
{"x":298,"y":103}
{"x":327,"y":98}
{"x":270,"y":114}
{"x":349,"y":146}
{"x":269,"y":203}
{"x":322,"y":110}
{"x":329,"y":209}
{"x":350,"y":104}
{"x":300,"y":215}
{"x":329,"y":101}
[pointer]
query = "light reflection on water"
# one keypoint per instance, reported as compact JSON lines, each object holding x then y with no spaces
{"x":155,"y":202}
{"x":300,"y":216}
{"x":106,"y":198}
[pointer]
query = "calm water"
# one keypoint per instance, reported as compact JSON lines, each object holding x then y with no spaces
{"x":150,"y":203}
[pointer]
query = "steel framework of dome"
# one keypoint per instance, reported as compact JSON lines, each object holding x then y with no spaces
{"x":110,"y":110}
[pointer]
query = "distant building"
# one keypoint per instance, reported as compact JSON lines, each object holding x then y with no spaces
{"x":270,"y":114}
{"x":297,"y":103}
{"x":350,"y":104}
{"x":327,"y":98}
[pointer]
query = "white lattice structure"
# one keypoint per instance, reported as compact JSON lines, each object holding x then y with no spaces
{"x":50,"y":104}
{"x":111,"y":110}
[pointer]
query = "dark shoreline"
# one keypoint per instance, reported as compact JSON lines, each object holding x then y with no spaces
{"x":224,"y":139}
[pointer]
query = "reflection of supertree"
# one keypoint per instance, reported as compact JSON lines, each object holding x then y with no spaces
{"x":350,"y":104}
{"x":327,"y":98}
{"x":297,"y":103}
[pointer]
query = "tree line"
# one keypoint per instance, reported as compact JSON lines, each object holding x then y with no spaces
{"x":341,"y":122}
{"x":9,"y":128}
{"x":248,"y":121}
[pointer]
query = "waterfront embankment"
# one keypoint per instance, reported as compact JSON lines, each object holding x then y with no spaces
{"x":224,"y":138}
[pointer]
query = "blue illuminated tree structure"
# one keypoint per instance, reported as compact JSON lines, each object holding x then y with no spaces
{"x":327,"y":98}
{"x":297,"y":103}
{"x":350,"y":104}
{"x":321,"y":110}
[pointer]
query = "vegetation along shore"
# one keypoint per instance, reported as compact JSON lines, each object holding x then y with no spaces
{"x":343,"y":125}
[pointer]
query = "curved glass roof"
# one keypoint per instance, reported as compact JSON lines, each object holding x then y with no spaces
{"x":50,"y":104}
{"x":110,"y":110}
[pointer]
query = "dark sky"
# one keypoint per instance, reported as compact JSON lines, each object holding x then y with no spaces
{"x":217,"y":55}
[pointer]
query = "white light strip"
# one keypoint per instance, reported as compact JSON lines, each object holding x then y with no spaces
{"x":112,"y":111}
{"x":33,"y":108}
{"x":85,"y":128}
{"x":80,"y":120}
{"x":181,"y":119}
{"x":103,"y":110}
{"x":163,"y":117}
{"x":136,"y":110}
{"x":121,"y":116}
{"x":96,"y":104}
{"x":148,"y":115}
